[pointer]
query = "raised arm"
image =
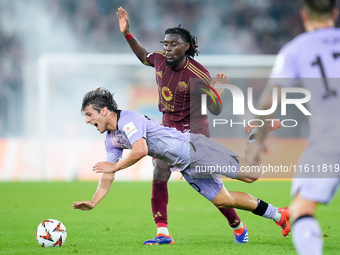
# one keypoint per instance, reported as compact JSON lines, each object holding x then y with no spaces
{"x":124,"y":24}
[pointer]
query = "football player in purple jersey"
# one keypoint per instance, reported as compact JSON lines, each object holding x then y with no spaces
{"x":313,"y":58}
{"x":188,"y":153}
{"x":179,"y":78}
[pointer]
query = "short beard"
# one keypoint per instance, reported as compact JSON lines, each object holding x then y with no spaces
{"x":171,"y":64}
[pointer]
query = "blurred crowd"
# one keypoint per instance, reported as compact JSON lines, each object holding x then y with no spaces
{"x":30,"y":28}
{"x":222,"y":26}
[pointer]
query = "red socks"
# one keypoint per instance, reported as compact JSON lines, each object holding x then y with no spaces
{"x":159,"y":202}
{"x":231,"y":216}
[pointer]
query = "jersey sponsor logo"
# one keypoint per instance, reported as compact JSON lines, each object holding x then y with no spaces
{"x":160,"y":74}
{"x":167,"y":93}
{"x":182,"y":86}
{"x":129,"y":129}
{"x":167,"y":106}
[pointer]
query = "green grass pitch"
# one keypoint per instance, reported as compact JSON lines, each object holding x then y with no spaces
{"x":123,"y":220}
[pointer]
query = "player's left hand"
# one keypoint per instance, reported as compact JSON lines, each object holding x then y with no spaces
{"x":104,"y":167}
{"x":221,"y":78}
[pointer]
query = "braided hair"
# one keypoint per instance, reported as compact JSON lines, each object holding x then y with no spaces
{"x":187,"y":37}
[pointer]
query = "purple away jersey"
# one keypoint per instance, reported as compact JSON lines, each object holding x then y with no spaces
{"x":164,"y":143}
{"x":314,"y":58}
{"x":168,"y":144}
{"x":192,"y":154}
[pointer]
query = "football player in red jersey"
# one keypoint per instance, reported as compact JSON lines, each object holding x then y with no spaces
{"x":179,"y":78}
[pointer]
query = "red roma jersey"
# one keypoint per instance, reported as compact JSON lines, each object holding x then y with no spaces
{"x":179,"y":93}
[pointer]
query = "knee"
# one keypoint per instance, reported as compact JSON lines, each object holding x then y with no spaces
{"x":223,"y":205}
{"x":249,"y":179}
{"x":255,"y":176}
{"x":223,"y":202}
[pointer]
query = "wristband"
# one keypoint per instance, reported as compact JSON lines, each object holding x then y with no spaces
{"x":128,"y":37}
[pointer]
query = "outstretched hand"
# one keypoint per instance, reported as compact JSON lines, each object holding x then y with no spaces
{"x":221,"y":78}
{"x":124,"y":23}
{"x":84,"y":205}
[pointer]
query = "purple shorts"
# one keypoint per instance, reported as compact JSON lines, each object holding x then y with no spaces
{"x":209,"y":187}
{"x":317,"y":177}
{"x":208,"y":161}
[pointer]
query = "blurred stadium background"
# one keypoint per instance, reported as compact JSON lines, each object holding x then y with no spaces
{"x":53,"y":52}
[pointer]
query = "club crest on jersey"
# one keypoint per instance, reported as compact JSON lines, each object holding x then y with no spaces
{"x":182,"y":86}
{"x":129,"y":129}
{"x":167,"y":93}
